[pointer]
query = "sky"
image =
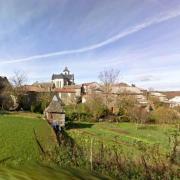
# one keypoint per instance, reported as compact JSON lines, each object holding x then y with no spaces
{"x":140,"y":38}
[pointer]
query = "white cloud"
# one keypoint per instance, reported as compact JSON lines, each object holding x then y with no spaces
{"x":156,"y":20}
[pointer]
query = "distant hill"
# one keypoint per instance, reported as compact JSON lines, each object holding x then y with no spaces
{"x":171,"y":94}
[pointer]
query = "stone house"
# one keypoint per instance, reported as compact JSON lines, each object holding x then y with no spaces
{"x":89,"y":88}
{"x":174,"y":102}
{"x":160,"y":96}
{"x":67,"y":95}
{"x":54,"y":113}
{"x":31,"y":95}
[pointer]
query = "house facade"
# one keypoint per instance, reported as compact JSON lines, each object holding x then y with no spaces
{"x":67,"y":95}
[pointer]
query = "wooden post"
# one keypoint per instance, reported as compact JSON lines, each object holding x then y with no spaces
{"x":91,"y":154}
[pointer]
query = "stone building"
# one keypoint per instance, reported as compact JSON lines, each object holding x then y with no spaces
{"x":63,"y":79}
{"x":54,"y":113}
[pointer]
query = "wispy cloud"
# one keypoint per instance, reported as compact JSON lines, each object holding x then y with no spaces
{"x":156,"y":20}
{"x":147,"y":78}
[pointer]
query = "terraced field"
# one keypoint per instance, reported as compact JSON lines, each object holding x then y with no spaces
{"x":126,"y":135}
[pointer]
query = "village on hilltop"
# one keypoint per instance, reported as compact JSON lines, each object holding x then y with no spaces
{"x":64,"y":86}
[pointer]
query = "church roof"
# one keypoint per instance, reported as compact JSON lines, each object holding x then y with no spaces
{"x":66,"y":69}
{"x":62,"y":76}
{"x":57,"y":76}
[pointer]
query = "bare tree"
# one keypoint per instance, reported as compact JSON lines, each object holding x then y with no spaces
{"x":18,"y":81}
{"x":108,"y":78}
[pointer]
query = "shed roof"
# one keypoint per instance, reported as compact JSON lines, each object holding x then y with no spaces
{"x":56,"y":106}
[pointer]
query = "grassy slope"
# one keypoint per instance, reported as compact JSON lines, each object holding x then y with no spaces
{"x":17,"y":140}
{"x":125,"y":134}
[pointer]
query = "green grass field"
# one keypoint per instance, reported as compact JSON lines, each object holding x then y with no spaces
{"x":17,"y":139}
{"x":126,"y":135}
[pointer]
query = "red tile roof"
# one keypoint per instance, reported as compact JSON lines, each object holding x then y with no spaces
{"x":72,"y":87}
{"x":64,"y":90}
{"x":121,"y":85}
{"x":30,"y":88}
{"x":90,"y":83}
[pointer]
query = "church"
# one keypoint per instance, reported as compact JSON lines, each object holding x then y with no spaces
{"x":63,"y":79}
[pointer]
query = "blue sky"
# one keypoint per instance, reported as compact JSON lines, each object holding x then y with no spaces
{"x":141,"y":38}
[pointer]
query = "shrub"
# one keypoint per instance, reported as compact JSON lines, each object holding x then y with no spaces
{"x":130,"y":111}
{"x":96,"y":107}
{"x":33,"y":108}
{"x":77,"y":112}
{"x":36,"y":103}
{"x":177,"y":108}
{"x":164,"y":115}
{"x":156,"y":102}
{"x":7,"y":103}
{"x":37,"y":108}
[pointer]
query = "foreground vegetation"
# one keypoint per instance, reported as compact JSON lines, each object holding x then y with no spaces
{"x":117,"y":159}
{"x":129,"y":150}
{"x":117,"y":150}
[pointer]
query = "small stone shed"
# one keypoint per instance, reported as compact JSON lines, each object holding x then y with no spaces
{"x":54,"y":113}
